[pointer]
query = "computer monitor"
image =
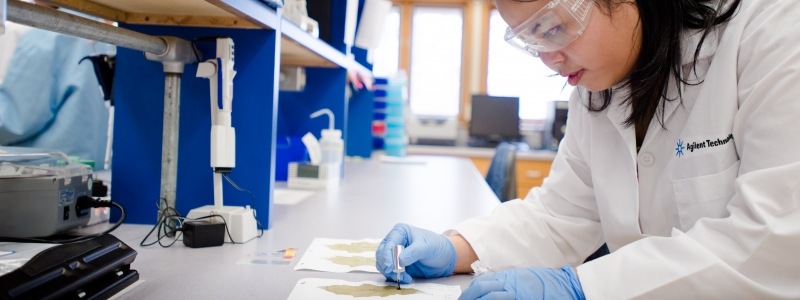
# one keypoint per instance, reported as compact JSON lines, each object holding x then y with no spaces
{"x":494,"y":119}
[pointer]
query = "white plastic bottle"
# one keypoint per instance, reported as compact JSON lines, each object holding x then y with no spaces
{"x":332,"y":146}
{"x":331,"y":143}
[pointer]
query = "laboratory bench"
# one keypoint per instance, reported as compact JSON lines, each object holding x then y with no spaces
{"x":432,"y":192}
{"x":157,"y":109}
{"x":532,"y":166}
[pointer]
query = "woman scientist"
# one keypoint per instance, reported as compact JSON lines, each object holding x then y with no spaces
{"x":682,"y":154}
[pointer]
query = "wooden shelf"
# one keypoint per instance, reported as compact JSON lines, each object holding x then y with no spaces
{"x":159,"y":12}
{"x":298,"y":48}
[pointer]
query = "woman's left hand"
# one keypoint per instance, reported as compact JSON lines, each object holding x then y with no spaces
{"x":529,"y":283}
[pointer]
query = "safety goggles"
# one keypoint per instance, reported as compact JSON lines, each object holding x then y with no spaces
{"x":551,"y":28}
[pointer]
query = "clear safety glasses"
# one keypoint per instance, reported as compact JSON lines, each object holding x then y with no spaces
{"x":552,"y":28}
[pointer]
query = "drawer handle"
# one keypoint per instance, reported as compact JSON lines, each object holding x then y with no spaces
{"x":533,"y":174}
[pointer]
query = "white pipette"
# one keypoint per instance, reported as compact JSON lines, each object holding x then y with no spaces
{"x":398,"y":268}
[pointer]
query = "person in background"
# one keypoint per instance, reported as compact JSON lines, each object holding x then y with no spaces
{"x":681,"y":153}
{"x":48,"y":99}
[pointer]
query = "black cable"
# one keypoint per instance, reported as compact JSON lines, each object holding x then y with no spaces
{"x":121,"y":217}
{"x":164,"y":226}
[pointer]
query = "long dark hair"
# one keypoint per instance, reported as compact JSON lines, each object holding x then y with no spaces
{"x":662,"y":23}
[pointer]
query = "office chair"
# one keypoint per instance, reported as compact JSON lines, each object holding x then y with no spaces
{"x":502,"y":177}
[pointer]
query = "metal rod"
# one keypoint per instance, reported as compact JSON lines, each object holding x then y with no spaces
{"x":54,"y":20}
{"x":169,"y":142}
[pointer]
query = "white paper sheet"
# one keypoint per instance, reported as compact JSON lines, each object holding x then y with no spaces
{"x":319,"y":288}
{"x":340,"y":255}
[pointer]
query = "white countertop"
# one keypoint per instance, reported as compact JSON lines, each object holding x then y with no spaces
{"x":432,"y":192}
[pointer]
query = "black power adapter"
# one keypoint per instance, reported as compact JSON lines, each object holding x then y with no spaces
{"x":199,"y":234}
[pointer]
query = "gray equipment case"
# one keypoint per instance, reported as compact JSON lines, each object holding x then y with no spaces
{"x":42,"y":193}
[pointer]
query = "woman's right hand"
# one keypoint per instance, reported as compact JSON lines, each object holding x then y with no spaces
{"x":426,"y":254}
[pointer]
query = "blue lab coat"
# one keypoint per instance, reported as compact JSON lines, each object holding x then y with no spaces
{"x":50,"y":100}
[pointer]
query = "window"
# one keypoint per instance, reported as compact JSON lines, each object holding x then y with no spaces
{"x":436,"y":43}
{"x":510,"y":72}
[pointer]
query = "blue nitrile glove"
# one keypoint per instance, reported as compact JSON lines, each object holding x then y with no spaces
{"x":530,"y":283}
{"x":426,"y":254}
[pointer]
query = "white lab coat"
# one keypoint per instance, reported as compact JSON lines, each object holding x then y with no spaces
{"x":710,"y":206}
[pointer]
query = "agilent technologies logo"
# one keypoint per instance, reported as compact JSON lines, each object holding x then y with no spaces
{"x":702,"y":144}
{"x":679,"y":148}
